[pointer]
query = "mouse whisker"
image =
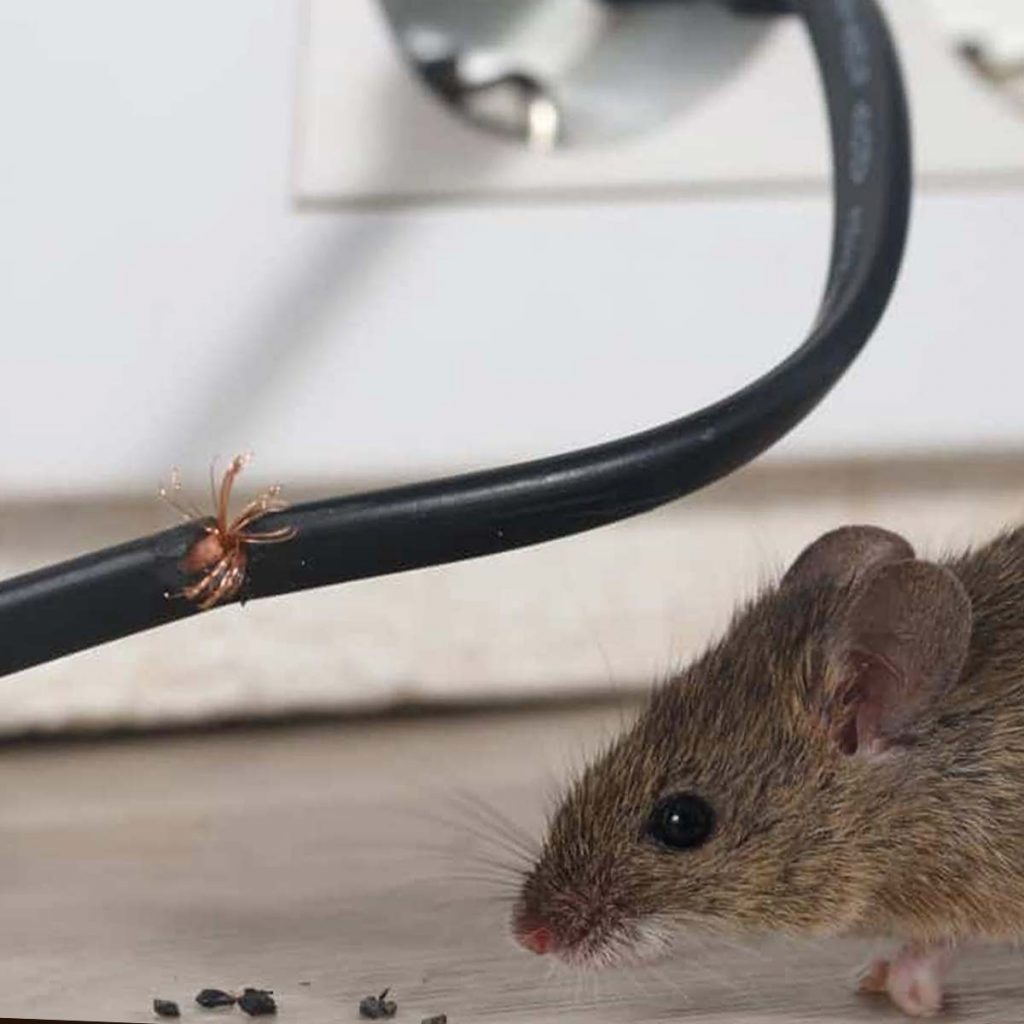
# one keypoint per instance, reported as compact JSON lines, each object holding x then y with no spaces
{"x":470,"y":871}
{"x":483,"y":834}
{"x":479,"y":858}
{"x":512,"y":830}
{"x":495,"y":886}
{"x":462,"y":812}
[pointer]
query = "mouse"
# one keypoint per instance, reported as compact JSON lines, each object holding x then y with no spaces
{"x":846,"y":759}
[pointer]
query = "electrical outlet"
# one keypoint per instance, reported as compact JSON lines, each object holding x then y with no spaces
{"x":369,"y":129}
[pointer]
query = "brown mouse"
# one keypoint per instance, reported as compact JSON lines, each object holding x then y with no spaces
{"x":847,"y":760}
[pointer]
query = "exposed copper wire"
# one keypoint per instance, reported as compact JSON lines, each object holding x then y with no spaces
{"x":221,"y":555}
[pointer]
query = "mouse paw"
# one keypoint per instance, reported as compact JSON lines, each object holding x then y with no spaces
{"x":913,"y":980}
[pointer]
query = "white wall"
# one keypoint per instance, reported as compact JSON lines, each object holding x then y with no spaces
{"x":162,"y":301}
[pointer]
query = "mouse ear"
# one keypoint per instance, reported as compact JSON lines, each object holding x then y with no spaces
{"x":902,"y":644}
{"x":840,"y":555}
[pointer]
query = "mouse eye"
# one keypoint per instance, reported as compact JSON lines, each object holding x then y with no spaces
{"x":681,"y":821}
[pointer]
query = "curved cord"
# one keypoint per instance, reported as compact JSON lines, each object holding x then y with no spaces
{"x":122,"y":590}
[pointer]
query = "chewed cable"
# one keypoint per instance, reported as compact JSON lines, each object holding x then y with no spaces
{"x":122,"y":590}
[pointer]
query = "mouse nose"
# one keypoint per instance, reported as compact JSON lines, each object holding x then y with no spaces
{"x":537,"y":940}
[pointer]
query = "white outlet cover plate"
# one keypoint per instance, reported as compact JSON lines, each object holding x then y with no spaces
{"x":369,"y":132}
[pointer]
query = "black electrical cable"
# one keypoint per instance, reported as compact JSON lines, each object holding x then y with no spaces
{"x":123,"y":590}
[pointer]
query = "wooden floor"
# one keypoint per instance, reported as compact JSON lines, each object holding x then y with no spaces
{"x":328,"y":861}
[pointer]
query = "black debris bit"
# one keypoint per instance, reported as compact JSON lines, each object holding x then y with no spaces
{"x":210,"y":998}
{"x":378,"y":1007}
{"x":441,"y":1018}
{"x":257,"y":1002}
{"x":166,"y":1008}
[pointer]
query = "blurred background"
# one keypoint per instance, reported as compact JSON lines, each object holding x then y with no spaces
{"x":374,"y":242}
